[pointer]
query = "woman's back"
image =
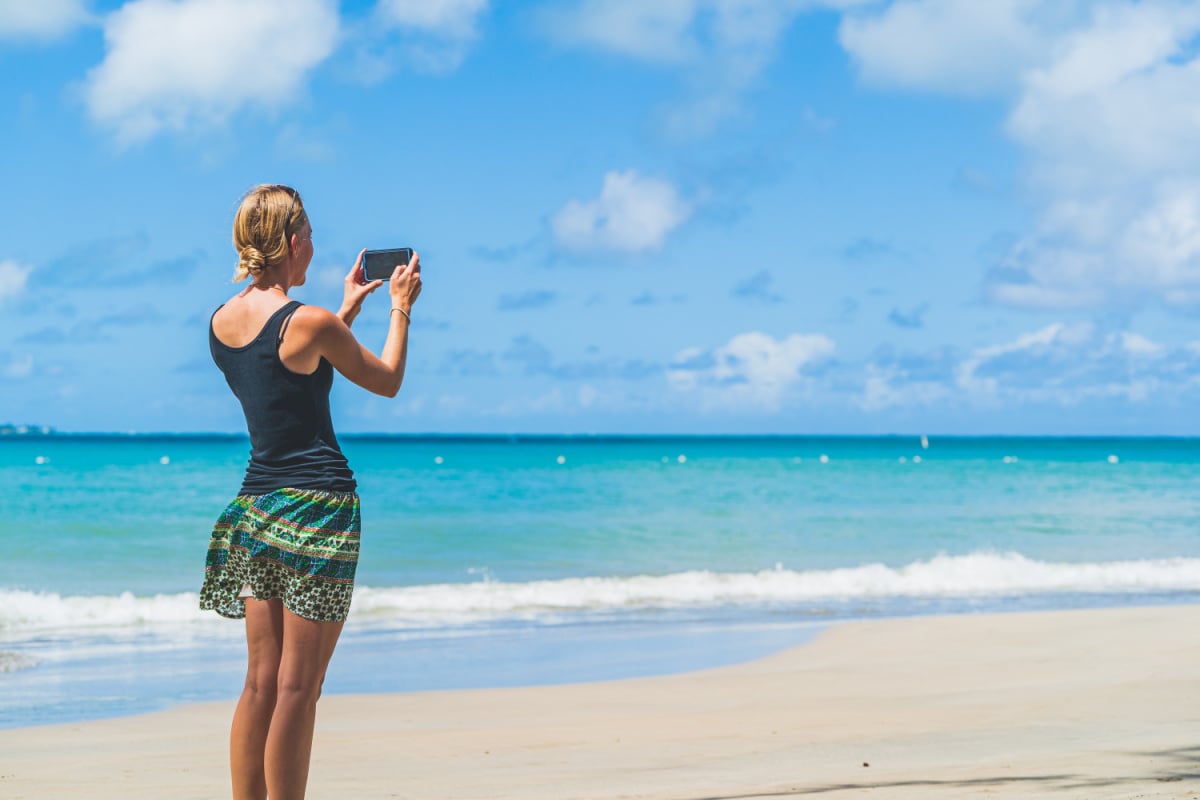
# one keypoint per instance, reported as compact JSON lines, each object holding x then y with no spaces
{"x":287,"y":412}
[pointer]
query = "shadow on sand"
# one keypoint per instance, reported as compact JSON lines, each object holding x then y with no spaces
{"x":1182,"y":765}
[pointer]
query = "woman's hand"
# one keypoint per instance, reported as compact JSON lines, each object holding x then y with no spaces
{"x":405,"y":285}
{"x":354,"y":291}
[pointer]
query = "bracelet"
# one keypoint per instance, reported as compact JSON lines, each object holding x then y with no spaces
{"x":402,"y":311}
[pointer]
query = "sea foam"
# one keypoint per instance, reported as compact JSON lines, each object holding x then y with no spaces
{"x":977,"y":575}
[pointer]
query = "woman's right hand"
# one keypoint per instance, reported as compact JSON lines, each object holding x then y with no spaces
{"x":405,"y":284}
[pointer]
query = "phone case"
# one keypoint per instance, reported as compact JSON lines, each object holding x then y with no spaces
{"x":378,"y":265}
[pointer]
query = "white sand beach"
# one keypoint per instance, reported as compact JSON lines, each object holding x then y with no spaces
{"x":1076,"y":704}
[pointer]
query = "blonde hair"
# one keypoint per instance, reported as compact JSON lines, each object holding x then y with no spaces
{"x":269,"y":215}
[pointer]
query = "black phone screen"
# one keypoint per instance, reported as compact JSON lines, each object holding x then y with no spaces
{"x":378,"y":265}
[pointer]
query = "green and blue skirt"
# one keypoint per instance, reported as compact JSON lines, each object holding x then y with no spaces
{"x":298,"y":545}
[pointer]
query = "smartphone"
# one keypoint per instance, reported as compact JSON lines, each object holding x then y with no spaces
{"x":378,"y":265}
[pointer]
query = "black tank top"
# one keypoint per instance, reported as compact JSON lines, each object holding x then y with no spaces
{"x":292,"y":445}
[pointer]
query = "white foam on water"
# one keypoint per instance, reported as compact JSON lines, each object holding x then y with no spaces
{"x":976,"y":575}
{"x":24,"y":610}
{"x":11,"y":662}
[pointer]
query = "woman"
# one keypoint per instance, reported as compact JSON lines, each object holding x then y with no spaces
{"x":283,"y":555}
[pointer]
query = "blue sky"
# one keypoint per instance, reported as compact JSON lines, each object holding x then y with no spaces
{"x":708,"y":216}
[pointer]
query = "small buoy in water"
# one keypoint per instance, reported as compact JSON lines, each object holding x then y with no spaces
{"x":438,"y":459}
{"x":1113,"y":459}
{"x":924,"y":442}
{"x":916,"y":459}
{"x":682,"y":459}
{"x":165,"y":460}
{"x":824,"y":459}
{"x":41,"y":460}
{"x":561,"y":459}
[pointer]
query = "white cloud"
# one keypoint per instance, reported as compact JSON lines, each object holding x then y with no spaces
{"x":1138,"y":346}
{"x":659,"y":31}
{"x":951,"y":45}
{"x":1103,"y":97}
{"x":1052,"y":343}
{"x":1114,"y":91}
{"x":172,"y":65}
{"x":40,"y":19}
{"x":890,"y":387}
{"x":450,"y":18}
{"x":13,"y":278}
{"x":446,"y":29}
{"x":752,"y":370}
{"x":631,"y":214}
{"x":721,"y":46}
{"x":1062,"y":364}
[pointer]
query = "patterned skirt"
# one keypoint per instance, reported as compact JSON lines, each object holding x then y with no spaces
{"x":298,"y":545}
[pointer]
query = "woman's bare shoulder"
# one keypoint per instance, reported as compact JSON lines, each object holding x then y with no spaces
{"x":239,"y":320}
{"x":314,"y":318}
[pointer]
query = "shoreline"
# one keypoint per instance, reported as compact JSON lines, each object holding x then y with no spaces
{"x":1094,"y":703}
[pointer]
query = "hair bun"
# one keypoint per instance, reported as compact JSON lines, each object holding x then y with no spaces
{"x":253,"y":261}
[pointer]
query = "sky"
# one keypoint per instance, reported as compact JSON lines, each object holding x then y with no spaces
{"x":685,"y":216}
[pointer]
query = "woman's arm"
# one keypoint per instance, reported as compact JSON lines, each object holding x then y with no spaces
{"x":333,"y":340}
{"x":354,"y":291}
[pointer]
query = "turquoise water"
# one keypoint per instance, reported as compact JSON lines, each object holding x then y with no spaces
{"x":498,"y":561}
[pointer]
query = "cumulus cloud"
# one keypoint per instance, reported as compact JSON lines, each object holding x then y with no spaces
{"x":441,"y":31}
{"x":1068,"y":363}
{"x":40,"y":19}
{"x":1110,"y":126}
{"x":1102,"y":98}
{"x":951,"y":45}
{"x":13,"y":278}
{"x":721,"y":47}
{"x":751,"y":369}
{"x":632,"y":213}
{"x":1064,"y":364}
{"x":1052,"y":347}
{"x":174,"y":65}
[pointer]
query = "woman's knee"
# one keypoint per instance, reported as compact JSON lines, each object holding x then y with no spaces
{"x":300,"y":688}
{"x":262,"y":685}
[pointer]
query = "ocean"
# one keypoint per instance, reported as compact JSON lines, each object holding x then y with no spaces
{"x":501,"y":561}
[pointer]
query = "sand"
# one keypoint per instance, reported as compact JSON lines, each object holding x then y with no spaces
{"x":1076,"y":704}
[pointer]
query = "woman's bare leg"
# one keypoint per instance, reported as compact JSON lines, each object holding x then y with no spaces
{"x":252,"y":719}
{"x":307,"y":648}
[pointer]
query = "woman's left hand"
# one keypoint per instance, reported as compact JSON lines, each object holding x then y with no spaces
{"x":355,"y":291}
